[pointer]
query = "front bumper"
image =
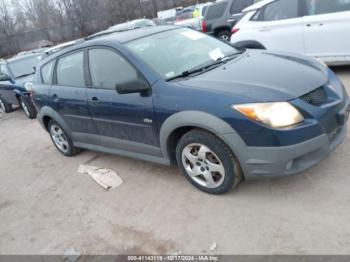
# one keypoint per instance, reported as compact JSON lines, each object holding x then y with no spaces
{"x":284,"y":160}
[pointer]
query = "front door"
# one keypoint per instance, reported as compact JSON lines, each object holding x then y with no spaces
{"x":124,"y":121}
{"x":279,"y":26}
{"x":327,"y":28}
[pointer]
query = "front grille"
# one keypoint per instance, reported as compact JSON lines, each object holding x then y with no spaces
{"x":316,"y":97}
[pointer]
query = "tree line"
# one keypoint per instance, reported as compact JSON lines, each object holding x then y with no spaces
{"x":17,"y":16}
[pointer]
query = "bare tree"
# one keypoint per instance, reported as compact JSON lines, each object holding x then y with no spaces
{"x":7,"y":23}
{"x":7,"y":27}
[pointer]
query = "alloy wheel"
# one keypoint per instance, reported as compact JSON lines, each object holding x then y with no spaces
{"x":225,"y":38}
{"x":59,"y":138}
{"x":203,"y":165}
{"x":2,"y":105}
{"x":25,"y":108}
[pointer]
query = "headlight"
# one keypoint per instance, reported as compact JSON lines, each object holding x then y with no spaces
{"x":29,"y":86}
{"x":278,"y":114}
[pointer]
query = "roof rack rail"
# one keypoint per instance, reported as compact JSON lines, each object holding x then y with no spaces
{"x":105,"y":32}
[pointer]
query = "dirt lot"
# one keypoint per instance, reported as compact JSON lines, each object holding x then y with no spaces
{"x":46,"y":207}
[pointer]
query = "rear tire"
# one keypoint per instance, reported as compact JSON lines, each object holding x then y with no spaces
{"x":224,"y":35}
{"x":61,"y":140}
{"x":207,"y":162}
{"x":28,"y":108}
{"x":7,"y":108}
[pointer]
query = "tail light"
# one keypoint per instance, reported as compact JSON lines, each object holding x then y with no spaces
{"x":234,"y":30}
{"x":204,"y":26}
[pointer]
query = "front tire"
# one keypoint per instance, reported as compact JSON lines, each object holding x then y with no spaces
{"x":7,"y":108}
{"x":61,"y":140}
{"x":28,"y":108}
{"x":207,"y":163}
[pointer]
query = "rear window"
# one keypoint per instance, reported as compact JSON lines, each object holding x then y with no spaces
{"x":25,"y":66}
{"x":327,"y":6}
{"x":216,"y":10}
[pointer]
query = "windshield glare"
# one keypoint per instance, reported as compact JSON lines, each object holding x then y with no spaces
{"x":172,"y":52}
{"x":24,"y":66}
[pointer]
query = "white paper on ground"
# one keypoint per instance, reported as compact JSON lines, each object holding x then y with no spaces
{"x":106,"y":178}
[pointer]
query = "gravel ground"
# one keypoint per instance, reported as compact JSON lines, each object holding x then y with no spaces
{"x":46,"y":207}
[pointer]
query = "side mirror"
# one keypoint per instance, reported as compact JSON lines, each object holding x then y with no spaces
{"x":5,"y":77}
{"x":135,"y":86}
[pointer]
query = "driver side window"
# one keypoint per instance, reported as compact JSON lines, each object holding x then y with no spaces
{"x":108,"y":69}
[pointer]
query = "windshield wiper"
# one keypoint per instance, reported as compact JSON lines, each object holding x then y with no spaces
{"x":199,"y":69}
{"x":24,"y":75}
{"x":207,"y":66}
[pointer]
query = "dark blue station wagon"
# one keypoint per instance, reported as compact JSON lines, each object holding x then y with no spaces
{"x":172,"y":95}
{"x":16,"y":83}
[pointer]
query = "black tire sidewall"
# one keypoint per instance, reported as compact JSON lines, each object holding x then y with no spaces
{"x":220,"y":149}
{"x":30,"y":107}
{"x":8,"y":107}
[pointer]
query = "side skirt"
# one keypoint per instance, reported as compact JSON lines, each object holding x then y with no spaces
{"x":120,"y":152}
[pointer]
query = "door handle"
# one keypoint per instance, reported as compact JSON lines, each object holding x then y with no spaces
{"x":94,"y":99}
{"x":55,"y":98}
{"x":264,"y":29}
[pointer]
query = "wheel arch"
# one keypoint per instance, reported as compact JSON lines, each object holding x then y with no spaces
{"x":180,"y":123}
{"x":217,"y":30}
{"x":47,"y":114}
{"x":250,"y":44}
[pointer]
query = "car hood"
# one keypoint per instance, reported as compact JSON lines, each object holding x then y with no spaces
{"x":263,"y":76}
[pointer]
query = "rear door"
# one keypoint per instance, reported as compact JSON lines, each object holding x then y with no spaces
{"x":124,"y":121}
{"x":279,"y":26}
{"x":327,"y":29}
{"x":68,"y":94}
{"x":214,"y":16}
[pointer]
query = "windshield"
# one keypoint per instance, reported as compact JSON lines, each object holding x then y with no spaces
{"x":172,"y":52}
{"x":25,"y":66}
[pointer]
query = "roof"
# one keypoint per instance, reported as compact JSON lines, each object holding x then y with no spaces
{"x":257,"y":5}
{"x":129,"y":35}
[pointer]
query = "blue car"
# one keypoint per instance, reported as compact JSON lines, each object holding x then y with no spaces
{"x":16,"y":83}
{"x":172,"y":95}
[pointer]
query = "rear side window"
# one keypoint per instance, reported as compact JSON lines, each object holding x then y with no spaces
{"x":216,"y":10}
{"x":108,"y":69}
{"x":239,"y":5}
{"x":70,"y":70}
{"x":317,"y":7}
{"x":279,"y":10}
{"x":47,"y":72}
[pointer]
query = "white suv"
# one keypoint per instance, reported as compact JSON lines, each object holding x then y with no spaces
{"x":317,"y":28}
